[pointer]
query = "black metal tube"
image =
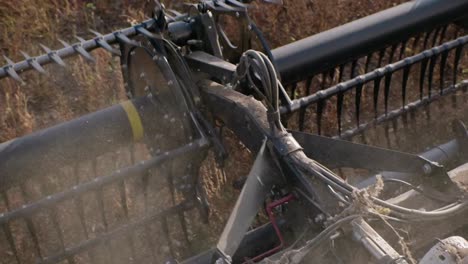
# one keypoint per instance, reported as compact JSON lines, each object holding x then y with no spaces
{"x":77,"y":140}
{"x":317,"y":53}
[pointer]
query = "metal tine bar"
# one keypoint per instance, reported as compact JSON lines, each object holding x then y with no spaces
{"x":183,"y":223}
{"x":320,"y":106}
{"x":416,"y":42}
{"x":122,"y":230}
{"x":99,"y":182}
{"x":331,"y":75}
{"x":302,"y":112}
{"x":103,"y":44}
{"x":436,"y":35}
{"x":100,"y":203}
{"x":422,"y":75}
{"x":30,"y":225}
{"x":426,"y":38}
{"x":381,"y":56}
{"x":57,"y":55}
{"x":402,"y":111}
{"x":387,"y":82}
{"x":458,"y":53}
{"x":293,"y":91}
{"x":443,"y":64}
{"x":395,"y":129}
{"x":376,"y":94}
{"x":33,"y":63}
{"x":123,"y":201}
{"x":165,"y":228}
{"x":402,"y":49}
{"x":339,"y":110}
{"x":53,"y":212}
{"x":11,"y":241}
{"x":81,"y":215}
{"x":11,"y":71}
{"x":353,"y":69}
{"x":387,"y":135}
{"x":392,"y":53}
{"x":432,"y":63}
{"x":404,"y":84}
{"x":340,"y":75}
{"x":7,"y":230}
{"x":442,"y":35}
{"x":368,"y":61}
{"x":79,"y":203}
{"x":56,"y":224}
{"x":358,"y":97}
{"x":331,"y":91}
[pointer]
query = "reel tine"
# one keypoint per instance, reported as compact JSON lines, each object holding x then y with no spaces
{"x":392,"y":53}
{"x":293,"y":91}
{"x":426,"y":39}
{"x":443,"y":64}
{"x":458,"y":53}
{"x":387,"y":81}
{"x":353,"y":69}
{"x":103,"y":44}
{"x":32,"y":61}
{"x":402,"y":49}
{"x":340,"y":75}
{"x":358,"y":97}
{"x":9,"y":237}
{"x":422,"y":75}
{"x":124,"y":39}
{"x":430,"y":76}
{"x":442,"y":34}
{"x":303,"y":110}
{"x":406,"y":72}
{"x":9,"y":68}
{"x":376,"y":94}
{"x":79,"y":48}
{"x":436,"y":35}
{"x":368,"y":61}
{"x":320,"y":107}
{"x":381,"y":56}
{"x":53,"y":56}
{"x":339,"y":108}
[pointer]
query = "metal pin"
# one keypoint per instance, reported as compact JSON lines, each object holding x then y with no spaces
{"x":122,"y":38}
{"x":53,"y":56}
{"x":147,"y":34}
{"x":103,"y":44}
{"x":9,"y":68}
{"x":33,"y":63}
{"x":79,"y":48}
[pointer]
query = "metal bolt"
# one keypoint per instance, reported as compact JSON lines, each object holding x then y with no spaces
{"x":319,"y":218}
{"x":427,"y":169}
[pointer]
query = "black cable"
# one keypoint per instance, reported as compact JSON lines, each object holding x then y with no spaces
{"x":415,"y":188}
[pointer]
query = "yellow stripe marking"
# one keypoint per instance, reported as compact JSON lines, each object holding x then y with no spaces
{"x":134,"y":119}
